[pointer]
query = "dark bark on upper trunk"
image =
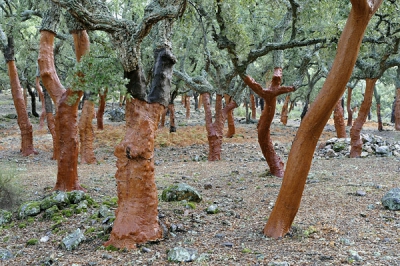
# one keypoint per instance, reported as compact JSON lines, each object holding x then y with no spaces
{"x":33,"y":100}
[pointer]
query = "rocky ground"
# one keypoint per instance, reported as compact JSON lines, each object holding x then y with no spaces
{"x":340,"y":221}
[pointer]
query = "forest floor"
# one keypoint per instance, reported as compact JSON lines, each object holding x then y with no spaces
{"x":334,"y":226}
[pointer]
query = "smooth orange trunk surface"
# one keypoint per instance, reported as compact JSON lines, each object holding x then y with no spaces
{"x":100,"y":111}
{"x":356,"y":142}
{"x":229,"y":117}
{"x":86,"y":133}
{"x":52,"y":128}
{"x":339,"y":120}
{"x":284,"y":113}
{"x":137,"y":216}
{"x":187,"y":106}
{"x":253,"y":106}
{"x":303,"y":147}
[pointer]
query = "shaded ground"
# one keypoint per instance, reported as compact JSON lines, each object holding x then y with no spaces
{"x":332,"y":221}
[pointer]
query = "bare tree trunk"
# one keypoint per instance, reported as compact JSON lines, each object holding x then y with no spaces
{"x":378,"y":109}
{"x":253,"y":106}
{"x":100,"y":111}
{"x":284,"y":112}
{"x":41,"y":97}
{"x":230,"y":119}
{"x":397,"y":110}
{"x":339,"y":120}
{"x":356,"y":142}
{"x":24,"y":124}
{"x":348,"y":107}
{"x":303,"y":147}
{"x":172,"y":127}
{"x":264,"y":125}
{"x":51,"y":123}
{"x":137,"y":216}
{"x":200,"y":101}
{"x":163,"y":115}
{"x":86,"y":133}
{"x":187,"y":106}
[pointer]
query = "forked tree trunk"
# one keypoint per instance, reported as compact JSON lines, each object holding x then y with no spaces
{"x":253,"y":106}
{"x":339,"y":120}
{"x":276,"y":166}
{"x":41,"y":97}
{"x":66,"y":132}
{"x":215,"y":130}
{"x":348,"y":107}
{"x":86,"y":133}
{"x":172,"y":127}
{"x":229,"y":117}
{"x":51,"y":123}
{"x":356,"y":142}
{"x":187,"y":106}
{"x":100,"y":111}
{"x":303,"y":147}
{"x":284,"y":113}
{"x":24,"y":124}
{"x":397,"y":111}
{"x":136,"y":216}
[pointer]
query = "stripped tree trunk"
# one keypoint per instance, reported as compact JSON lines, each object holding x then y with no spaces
{"x":200,"y":101}
{"x":41,"y":97}
{"x":397,"y":111}
{"x":136,"y":217}
{"x":163,"y":115}
{"x":51,"y":123}
{"x":215,"y":130}
{"x":356,"y":142}
{"x":264,"y":125}
{"x":348,"y":107}
{"x":172,"y":127}
{"x":86,"y":133}
{"x":303,"y":146}
{"x":284,"y":112}
{"x":187,"y":106}
{"x":229,"y":117}
{"x":253,"y":106}
{"x":339,"y":120}
{"x":100,"y":111}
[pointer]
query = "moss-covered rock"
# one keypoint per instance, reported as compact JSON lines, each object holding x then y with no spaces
{"x":50,"y":212}
{"x":31,"y":208}
{"x":5,"y":217}
{"x":76,"y":196}
{"x":59,"y":198}
{"x":180,"y":192}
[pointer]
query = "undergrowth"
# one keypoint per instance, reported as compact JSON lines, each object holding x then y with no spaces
{"x":10,"y":192}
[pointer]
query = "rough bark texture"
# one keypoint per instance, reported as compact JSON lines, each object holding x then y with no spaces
{"x":41,"y":97}
{"x":397,"y":110}
{"x":284,"y":112}
{"x":163,"y":115}
{"x":23,"y":120}
{"x":100,"y":111}
{"x":86,"y":133}
{"x":303,"y":147}
{"x":137,"y":216}
{"x":229,"y":117}
{"x":172,"y":127}
{"x":264,"y":125}
{"x":215,"y":130}
{"x":378,"y":115}
{"x":348,"y":107}
{"x":187,"y":106}
{"x":66,"y":132}
{"x":253,"y":106}
{"x":356,"y":142}
{"x":339,"y":120}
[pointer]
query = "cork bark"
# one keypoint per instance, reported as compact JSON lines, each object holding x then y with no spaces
{"x":355,"y":131}
{"x":339,"y":120}
{"x":284,"y":112}
{"x":187,"y":106}
{"x":303,"y":147}
{"x":172,"y":126}
{"x":348,"y":107}
{"x":100,"y":110}
{"x":253,"y":107}
{"x":229,"y":117}
{"x":41,"y":97}
{"x":86,"y":133}
{"x":137,"y":216}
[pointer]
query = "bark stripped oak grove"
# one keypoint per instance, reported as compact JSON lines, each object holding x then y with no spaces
{"x":339,"y":120}
{"x":24,"y":124}
{"x":356,"y":142}
{"x":276,"y":166}
{"x":301,"y":153}
{"x":215,"y":130}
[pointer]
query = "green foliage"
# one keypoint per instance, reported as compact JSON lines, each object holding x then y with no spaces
{"x":10,"y":191}
{"x":32,"y":242}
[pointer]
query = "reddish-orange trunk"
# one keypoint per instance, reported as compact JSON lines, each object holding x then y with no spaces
{"x":229,"y":117}
{"x":397,"y":111}
{"x":67,"y":137}
{"x":41,"y":97}
{"x":86,"y":133}
{"x":356,"y":142}
{"x":339,"y":120}
{"x":52,"y":128}
{"x":24,"y":124}
{"x":284,"y":113}
{"x":264,"y":133}
{"x":187,"y":106}
{"x":171,"y":108}
{"x":163,"y":115}
{"x":200,"y":100}
{"x":303,"y":146}
{"x":100,"y":111}
{"x":348,"y":107}
{"x":378,"y":115}
{"x":137,"y":216}
{"x":253,"y":106}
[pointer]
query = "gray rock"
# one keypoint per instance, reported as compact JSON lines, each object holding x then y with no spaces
{"x":339,"y":145}
{"x":391,"y":199}
{"x":51,"y":211}
{"x":181,"y":192}
{"x":104,"y":211}
{"x":212,"y":209}
{"x":117,"y":115}
{"x":5,"y":217}
{"x":5,"y":254}
{"x":31,"y":208}
{"x":76,"y":196}
{"x":278,"y":263}
{"x":361,"y":193}
{"x":59,"y":198}
{"x":73,"y":240}
{"x":330,"y":153}
{"x":180,"y":254}
{"x":382,"y":150}
{"x":353,"y":256}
